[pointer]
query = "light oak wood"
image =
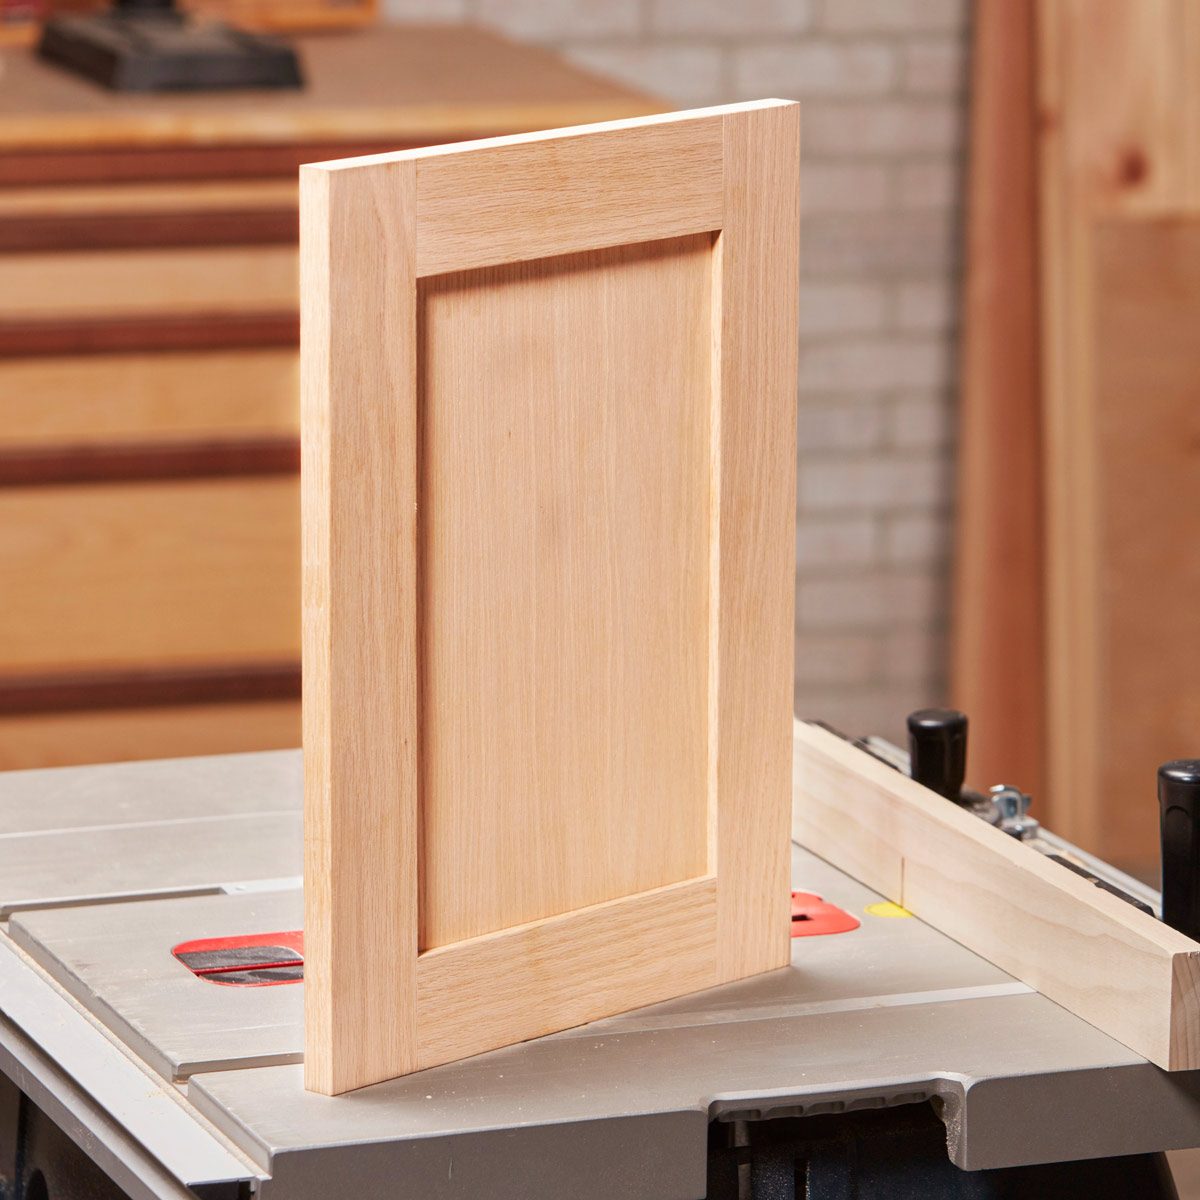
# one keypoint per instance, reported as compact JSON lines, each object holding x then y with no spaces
{"x":166,"y":573}
{"x":527,"y":469}
{"x":615,"y":191}
{"x":148,"y":398}
{"x":548,"y":560}
{"x":1120,"y":969}
{"x":361,"y":736}
{"x":204,"y":280}
{"x":754,"y":529}
{"x":66,"y":739}
{"x":401,"y":84}
{"x":511,"y":985}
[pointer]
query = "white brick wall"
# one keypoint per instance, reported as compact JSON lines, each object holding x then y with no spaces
{"x":883,"y":88}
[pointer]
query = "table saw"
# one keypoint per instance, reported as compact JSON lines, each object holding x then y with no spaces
{"x":151,"y":1033}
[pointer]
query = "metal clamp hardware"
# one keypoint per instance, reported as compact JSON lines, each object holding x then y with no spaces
{"x":1012,"y":807}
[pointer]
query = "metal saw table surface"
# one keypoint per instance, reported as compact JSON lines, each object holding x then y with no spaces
{"x":171,"y":1080}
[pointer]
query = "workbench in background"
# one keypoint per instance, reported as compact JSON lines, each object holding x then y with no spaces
{"x":149,"y":503}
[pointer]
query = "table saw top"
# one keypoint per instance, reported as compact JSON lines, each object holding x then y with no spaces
{"x":103,"y":870}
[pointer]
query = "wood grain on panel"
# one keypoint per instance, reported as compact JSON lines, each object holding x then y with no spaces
{"x":359,"y":500}
{"x":528,"y":199}
{"x":997,"y":652}
{"x":753,"y":560}
{"x":1147,"y":424}
{"x":548,"y":494}
{"x":148,"y":573}
{"x":507,"y":987}
{"x":1118,"y":968}
{"x":217,"y":280}
{"x":65,"y":739}
{"x":158,"y":398}
{"x":566,"y":446}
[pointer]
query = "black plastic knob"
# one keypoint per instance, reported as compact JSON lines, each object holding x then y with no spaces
{"x":1179,"y":824}
{"x":937,"y":747}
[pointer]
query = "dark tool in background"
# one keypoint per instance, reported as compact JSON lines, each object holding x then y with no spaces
{"x":151,"y":46}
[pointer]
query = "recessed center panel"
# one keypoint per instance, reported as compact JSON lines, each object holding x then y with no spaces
{"x":564,"y":578}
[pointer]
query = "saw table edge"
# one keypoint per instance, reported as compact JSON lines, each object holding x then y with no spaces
{"x":1117,"y":968}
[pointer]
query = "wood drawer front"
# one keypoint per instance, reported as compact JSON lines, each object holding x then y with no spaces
{"x":128,"y":283}
{"x":119,"y":735}
{"x":188,"y":164}
{"x":129,"y":216}
{"x":148,"y":398}
{"x":149,"y":574}
{"x":147,"y":199}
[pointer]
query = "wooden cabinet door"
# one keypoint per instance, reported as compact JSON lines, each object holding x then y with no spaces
{"x":548,"y":427}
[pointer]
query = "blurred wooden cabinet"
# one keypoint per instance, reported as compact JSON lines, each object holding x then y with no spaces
{"x":21,"y":21}
{"x":1079,"y":560}
{"x":149,"y":558}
